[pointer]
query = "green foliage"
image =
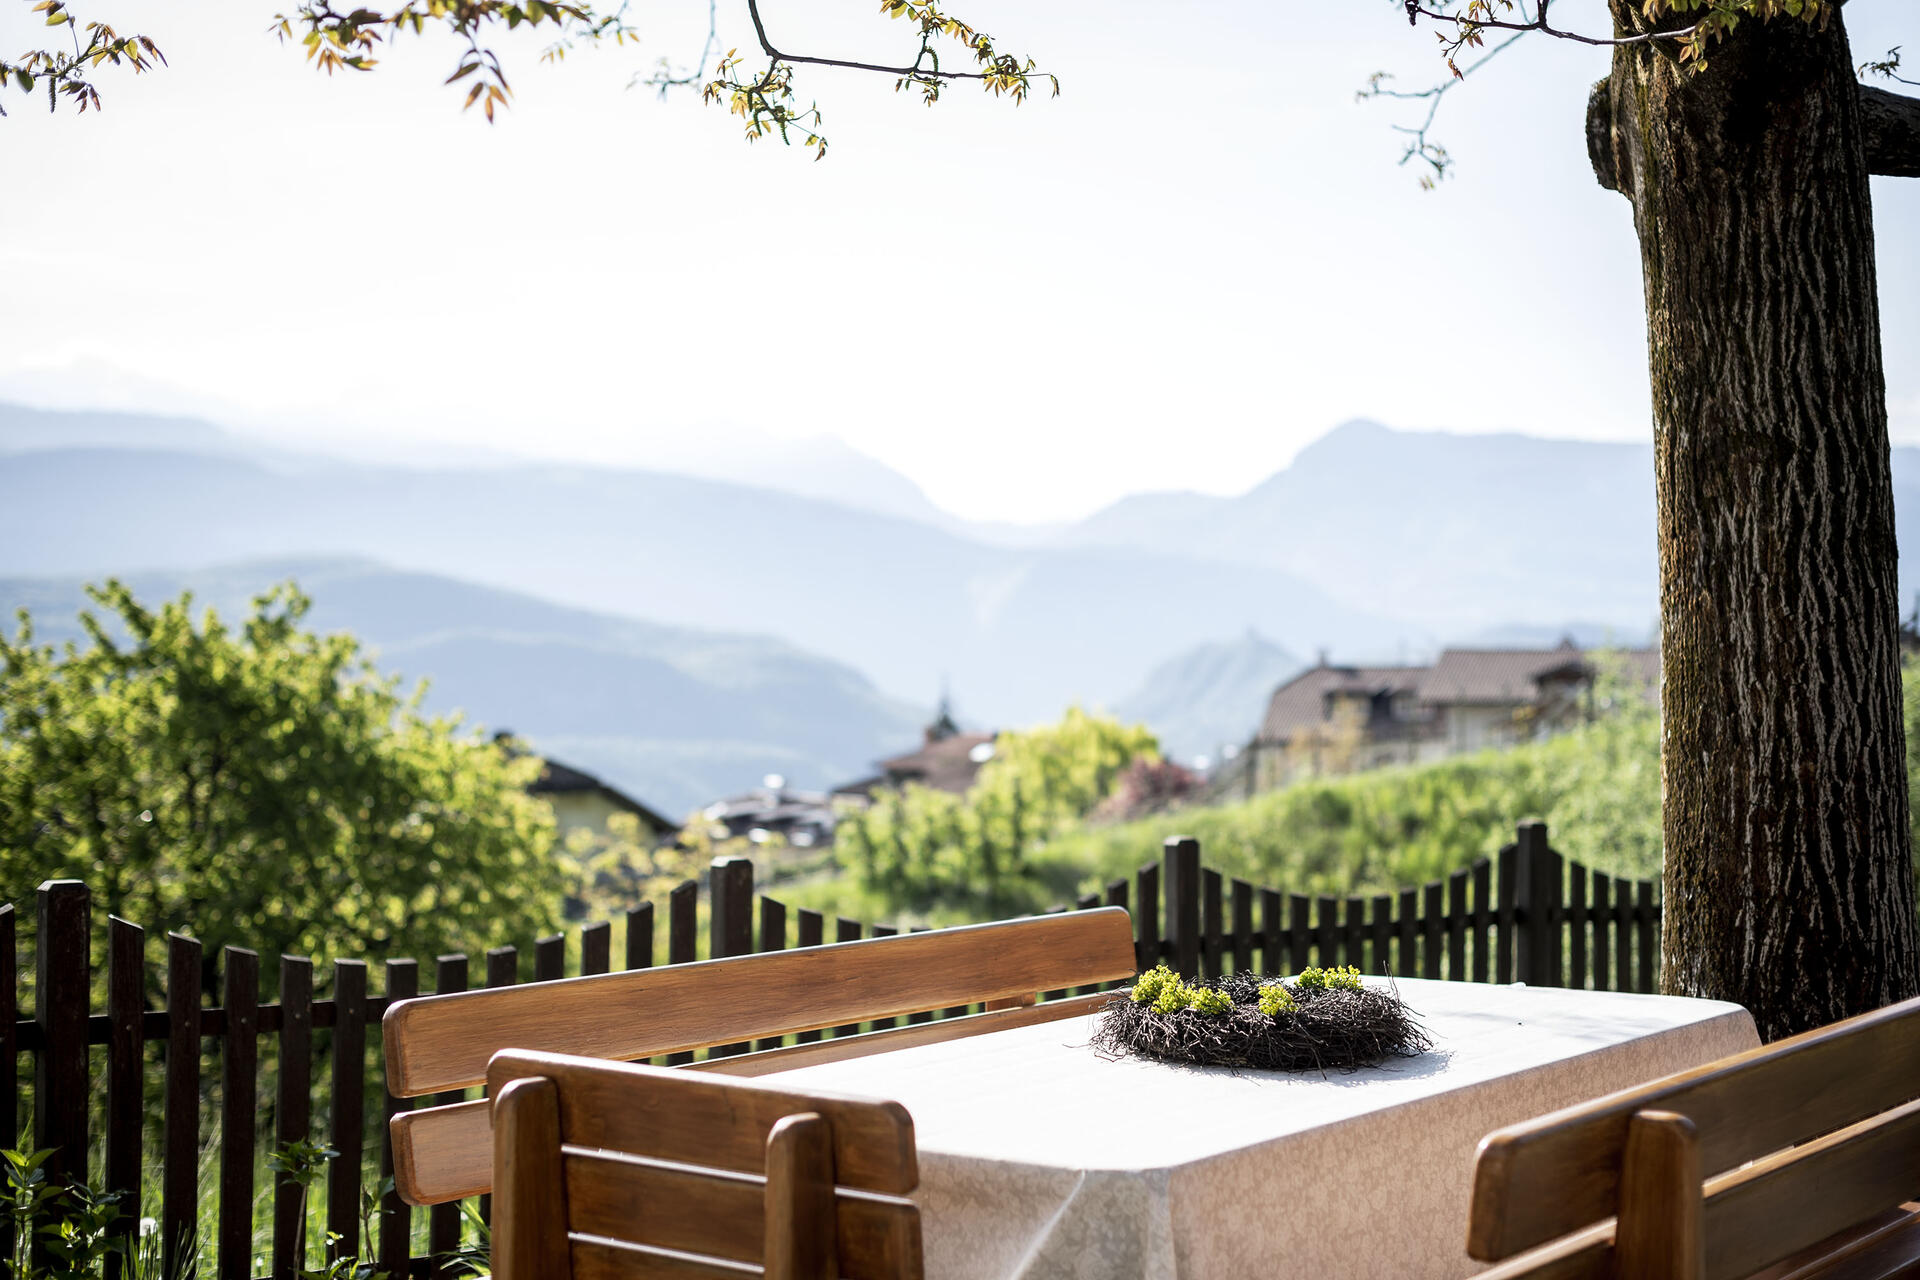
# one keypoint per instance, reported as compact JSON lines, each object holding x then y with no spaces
{"x":918,"y":848}
{"x":1149,"y":985}
{"x":261,"y":786}
{"x":1598,"y":787}
{"x":1163,"y":990}
{"x":1313,"y":981}
{"x":1276,"y":1000}
{"x":300,"y":1164}
{"x":72,"y":1225}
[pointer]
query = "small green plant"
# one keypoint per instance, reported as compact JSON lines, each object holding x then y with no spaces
{"x":300,"y":1164}
{"x":1275,"y":1000}
{"x":1147,"y":988}
{"x":72,"y":1225}
{"x":1312,"y":982}
{"x":1161,"y":989}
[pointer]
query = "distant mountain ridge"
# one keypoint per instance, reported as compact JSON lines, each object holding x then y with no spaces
{"x":1211,"y":696}
{"x":1018,"y":632}
{"x":676,"y":716}
{"x":1459,"y":533}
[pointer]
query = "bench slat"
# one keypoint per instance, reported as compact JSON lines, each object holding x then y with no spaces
{"x":443,"y":1042}
{"x":1745,"y":1107}
{"x":444,"y":1153}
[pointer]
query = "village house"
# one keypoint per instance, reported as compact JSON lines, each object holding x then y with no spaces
{"x":1334,"y":719}
{"x":581,"y":801}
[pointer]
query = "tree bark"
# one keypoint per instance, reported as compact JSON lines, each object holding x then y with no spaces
{"x":1789,"y":884}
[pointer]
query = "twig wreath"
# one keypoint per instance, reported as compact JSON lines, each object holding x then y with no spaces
{"x":1324,"y":1019}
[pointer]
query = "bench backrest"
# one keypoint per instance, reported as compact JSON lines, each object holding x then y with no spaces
{"x":1717,"y":1171}
{"x":439,"y":1043}
{"x":610,"y":1170}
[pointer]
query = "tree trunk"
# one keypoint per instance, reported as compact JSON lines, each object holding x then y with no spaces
{"x":1789,"y":884}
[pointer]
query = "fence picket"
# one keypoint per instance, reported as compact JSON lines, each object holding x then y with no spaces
{"x":180,"y":1141}
{"x":1116,"y":897}
{"x":1457,"y":925}
{"x":1431,"y":930}
{"x":1273,"y":933}
{"x":1382,"y":934}
{"x":292,"y":1109}
{"x":1212,"y":948}
{"x":596,"y":948}
{"x":1147,"y":946}
{"x":444,"y":1220}
{"x":1482,"y":916}
{"x":1356,"y":933}
{"x":682,"y":924}
{"x":1242,"y":899}
{"x":62,"y":981}
{"x":126,"y":1093}
{"x":1503,"y":916}
{"x":396,"y":1215}
{"x":350,"y":1100}
{"x":773,"y":937}
{"x":809,"y":932}
{"x":1576,"y":926}
{"x":640,"y":936}
{"x":1300,"y":925}
{"x":1409,"y":925}
{"x":845,"y":930}
{"x":1326,"y":931}
{"x":1602,"y":912}
{"x":550,"y":957}
{"x":239,"y":1098}
{"x":1623,"y":934}
{"x":729,"y":922}
{"x":1643,"y":930}
{"x":1183,"y":905}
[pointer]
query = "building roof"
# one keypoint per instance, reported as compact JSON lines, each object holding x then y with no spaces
{"x":563,"y":779}
{"x":1301,"y":703}
{"x":1498,"y":675}
{"x":948,"y":764}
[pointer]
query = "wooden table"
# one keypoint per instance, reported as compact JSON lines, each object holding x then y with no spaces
{"x":1039,"y":1159}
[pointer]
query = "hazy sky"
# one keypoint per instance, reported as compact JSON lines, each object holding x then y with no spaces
{"x":1192,"y":263}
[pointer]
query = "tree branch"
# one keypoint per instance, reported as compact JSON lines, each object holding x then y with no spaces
{"x":1890,"y":127}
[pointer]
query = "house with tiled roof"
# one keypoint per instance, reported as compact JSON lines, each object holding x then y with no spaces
{"x":1333,"y":718}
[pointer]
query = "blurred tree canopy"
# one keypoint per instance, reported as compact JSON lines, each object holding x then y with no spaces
{"x":262,"y":786}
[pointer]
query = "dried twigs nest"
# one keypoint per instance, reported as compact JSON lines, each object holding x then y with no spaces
{"x":1324,"y":1019}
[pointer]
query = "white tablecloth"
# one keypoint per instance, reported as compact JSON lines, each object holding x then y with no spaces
{"x":1040,"y":1159}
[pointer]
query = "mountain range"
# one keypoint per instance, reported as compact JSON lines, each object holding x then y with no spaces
{"x":1181,"y":609}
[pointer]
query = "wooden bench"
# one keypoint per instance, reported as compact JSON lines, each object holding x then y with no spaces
{"x":439,"y":1043}
{"x":607,"y":1170}
{"x":1799,"y":1158}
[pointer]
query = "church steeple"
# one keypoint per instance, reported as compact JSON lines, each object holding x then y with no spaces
{"x":944,"y":726}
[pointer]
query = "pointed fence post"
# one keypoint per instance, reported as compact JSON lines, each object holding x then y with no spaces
{"x":1537,"y":870}
{"x":1182,"y":887}
{"x":61,"y":992}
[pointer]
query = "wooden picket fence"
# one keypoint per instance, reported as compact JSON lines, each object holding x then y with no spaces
{"x":1527,"y":914}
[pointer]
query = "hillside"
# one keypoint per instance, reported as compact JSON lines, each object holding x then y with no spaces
{"x":1016,"y":633}
{"x":675,"y":716}
{"x":1210,"y":695}
{"x":1461,"y":533}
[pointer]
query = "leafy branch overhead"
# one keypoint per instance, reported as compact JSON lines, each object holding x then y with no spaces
{"x":67,"y":74}
{"x":1684,"y":30}
{"x":351,"y":39}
